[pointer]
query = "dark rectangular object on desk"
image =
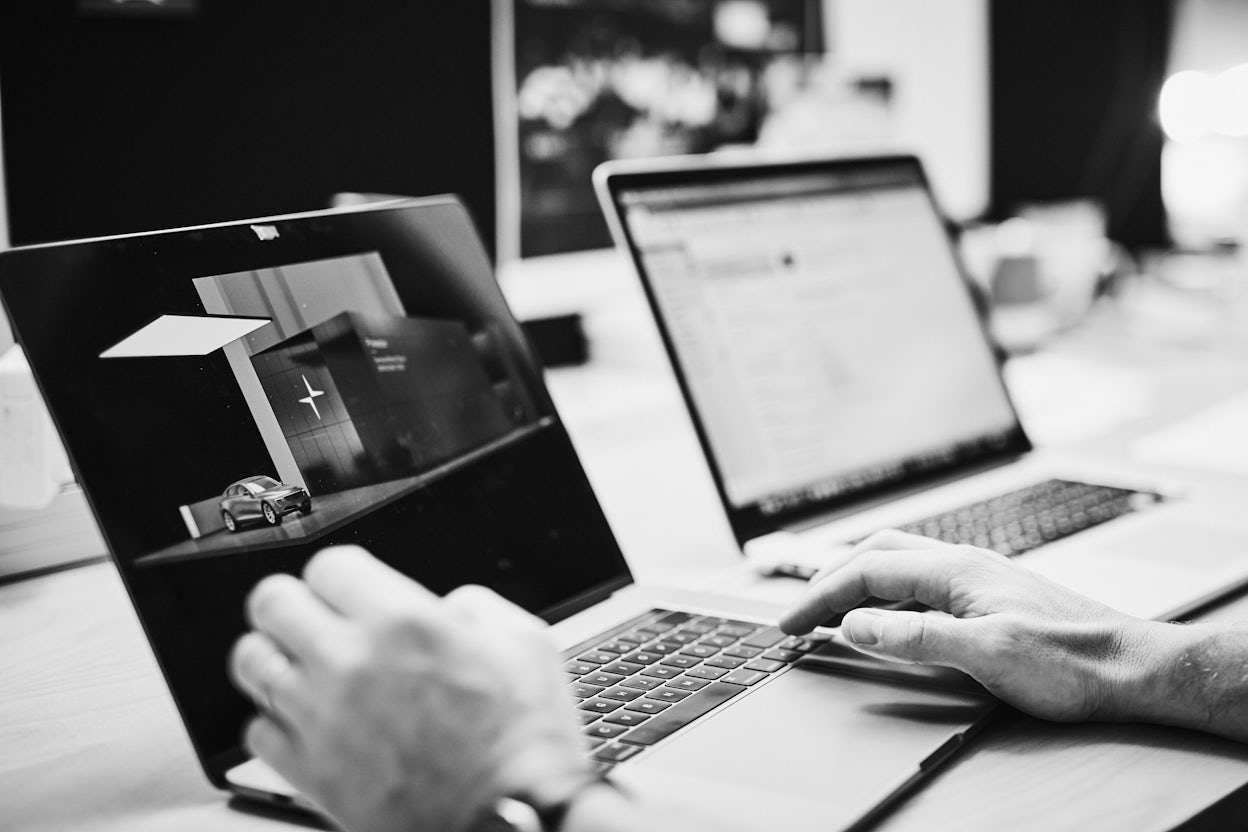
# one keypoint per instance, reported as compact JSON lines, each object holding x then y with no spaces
{"x":559,"y":339}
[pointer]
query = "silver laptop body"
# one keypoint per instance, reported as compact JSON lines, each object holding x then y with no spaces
{"x":838,"y":372}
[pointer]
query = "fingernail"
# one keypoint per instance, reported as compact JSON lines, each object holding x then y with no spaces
{"x":863,"y":627}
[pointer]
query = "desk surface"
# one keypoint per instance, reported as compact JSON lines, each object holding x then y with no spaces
{"x":89,"y":737}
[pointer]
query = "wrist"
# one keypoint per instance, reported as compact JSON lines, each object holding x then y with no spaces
{"x":540,"y":812}
{"x":1161,"y":684}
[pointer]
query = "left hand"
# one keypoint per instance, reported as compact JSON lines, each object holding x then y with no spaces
{"x":394,"y":709}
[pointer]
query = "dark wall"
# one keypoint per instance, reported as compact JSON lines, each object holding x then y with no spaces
{"x":243,"y":108}
{"x":1074,"y":98}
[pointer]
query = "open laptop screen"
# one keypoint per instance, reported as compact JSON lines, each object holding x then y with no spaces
{"x":820,"y":325}
{"x":237,"y":397}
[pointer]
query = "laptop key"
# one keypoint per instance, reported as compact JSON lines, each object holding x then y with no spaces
{"x":724,"y":661}
{"x":579,"y":668}
{"x":680,"y":638}
{"x":766,"y":638}
{"x":648,"y":706}
{"x":597,"y":657}
{"x":617,"y":753}
{"x":705,"y":672}
{"x":617,"y":647}
{"x":583,"y":691}
{"x":622,"y":694}
{"x":717,"y":641}
{"x":680,"y":715}
{"x":588,"y":717}
{"x":680,"y":661}
{"x":642,"y":683}
{"x":600,"y":706}
{"x":765,"y":665}
{"x":604,"y":730}
{"x":745,"y":677}
{"x":685,"y":683}
{"x":625,"y":717}
{"x":736,"y":630}
{"x":743,"y":652}
{"x":667,"y":694}
{"x":664,"y":647}
{"x":622,"y":668}
{"x":642,"y":657}
{"x":783,"y":655}
{"x":605,"y":680}
{"x":673,"y":618}
{"x":700,"y":650}
{"x":659,"y":671}
{"x":653,"y":630}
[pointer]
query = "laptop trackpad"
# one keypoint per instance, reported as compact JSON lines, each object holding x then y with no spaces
{"x":809,"y":749}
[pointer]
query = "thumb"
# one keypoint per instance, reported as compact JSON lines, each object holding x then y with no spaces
{"x":913,"y":637}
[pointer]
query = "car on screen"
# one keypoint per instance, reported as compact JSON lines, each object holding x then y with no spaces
{"x":261,"y":500}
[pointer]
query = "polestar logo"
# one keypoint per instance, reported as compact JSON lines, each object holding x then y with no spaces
{"x":310,"y":399}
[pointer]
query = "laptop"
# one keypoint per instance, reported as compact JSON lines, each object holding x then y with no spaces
{"x":235,"y":397}
{"x":836,"y":367}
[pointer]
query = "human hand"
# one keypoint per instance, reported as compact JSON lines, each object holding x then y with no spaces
{"x":393,"y":709}
{"x":1035,"y":644}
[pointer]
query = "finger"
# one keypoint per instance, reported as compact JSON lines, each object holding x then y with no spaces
{"x":355,"y":583}
{"x":285,"y":609}
{"x":266,"y":675}
{"x":894,"y":539}
{"x":482,"y":605}
{"x":920,"y":574}
{"x":918,"y":637}
{"x":267,"y":739}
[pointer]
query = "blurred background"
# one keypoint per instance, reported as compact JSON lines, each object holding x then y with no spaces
{"x":1087,"y":153}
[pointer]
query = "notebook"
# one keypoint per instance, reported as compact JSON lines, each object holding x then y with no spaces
{"x":235,"y":397}
{"x":834,"y":360}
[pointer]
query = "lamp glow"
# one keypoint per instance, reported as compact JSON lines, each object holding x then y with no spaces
{"x":1231,"y":93}
{"x":1187,"y":106}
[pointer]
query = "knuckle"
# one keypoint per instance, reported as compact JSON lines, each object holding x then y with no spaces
{"x":266,"y":595}
{"x":879,"y":539}
{"x":243,"y":654}
{"x":469,"y":596}
{"x":914,"y":633}
{"x":329,"y":560}
{"x":400,"y":627}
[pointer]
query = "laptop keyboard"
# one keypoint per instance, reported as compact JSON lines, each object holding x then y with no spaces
{"x":1022,"y":520}
{"x":1026,"y":519}
{"x":663,"y":670}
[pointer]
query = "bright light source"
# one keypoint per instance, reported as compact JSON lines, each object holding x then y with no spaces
{"x":1231,"y":92}
{"x":743,"y":24}
{"x":1187,"y":106}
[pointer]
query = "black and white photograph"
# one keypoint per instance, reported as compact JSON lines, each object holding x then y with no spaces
{"x":587,"y":415}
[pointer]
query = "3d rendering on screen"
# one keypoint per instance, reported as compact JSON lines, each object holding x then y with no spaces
{"x":355,"y":401}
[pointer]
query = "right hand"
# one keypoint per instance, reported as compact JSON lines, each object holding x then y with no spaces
{"x":1035,"y":644}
